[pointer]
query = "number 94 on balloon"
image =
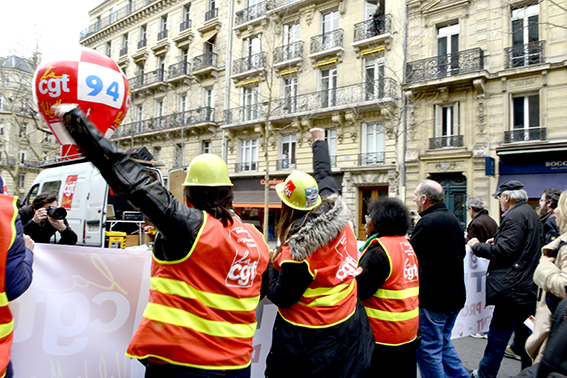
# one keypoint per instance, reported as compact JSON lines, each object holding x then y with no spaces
{"x":101,"y":85}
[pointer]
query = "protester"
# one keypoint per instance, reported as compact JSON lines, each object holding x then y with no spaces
{"x":551,"y":278}
{"x":389,"y":287}
{"x":513,"y":255}
{"x":553,"y":363}
{"x":376,"y":19}
{"x":548,"y":203}
{"x":321,"y":329}
{"x":41,"y":227}
{"x":482,"y":226}
{"x":16,"y":259}
{"x":439,"y":244}
{"x":207,"y":267}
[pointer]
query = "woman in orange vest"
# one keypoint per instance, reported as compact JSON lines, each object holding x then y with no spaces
{"x":206,"y":274}
{"x":389,"y":287}
{"x":321,"y":329}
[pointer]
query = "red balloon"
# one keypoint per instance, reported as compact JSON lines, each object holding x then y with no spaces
{"x":85,"y":77}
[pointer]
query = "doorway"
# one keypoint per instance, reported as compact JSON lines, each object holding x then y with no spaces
{"x":365,"y":196}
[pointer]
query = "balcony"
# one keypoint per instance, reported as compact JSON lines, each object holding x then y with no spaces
{"x":446,"y":141}
{"x":149,"y":79}
{"x":185,"y":25}
{"x":205,"y":65}
{"x":187,"y":118}
{"x":459,"y":63}
{"x":371,"y":35}
{"x":179,"y":72}
{"x":162,"y":35}
{"x":185,"y":36}
{"x":523,"y":135}
{"x":370,"y":94}
{"x":114,"y":17}
{"x":250,"y":64}
{"x":246,"y":167}
{"x":288,"y":55}
{"x":525,"y":55}
{"x":326,"y":44}
{"x":285,"y":164}
{"x":142,"y":43}
{"x":124,"y":51}
{"x":211,"y":14}
{"x":371,"y":158}
{"x":248,"y":14}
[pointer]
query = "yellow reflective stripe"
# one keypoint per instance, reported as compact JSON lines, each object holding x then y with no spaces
{"x":182,"y":318}
{"x":397,"y":294}
{"x":392,"y":316}
{"x":6,"y":329}
{"x":331,"y":299}
{"x":315,"y":326}
{"x":175,"y":362}
{"x":13,"y":222}
{"x":324,"y":291}
{"x":213,"y":300}
{"x":3,"y":299}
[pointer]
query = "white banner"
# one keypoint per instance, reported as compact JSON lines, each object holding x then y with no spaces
{"x":84,"y":305}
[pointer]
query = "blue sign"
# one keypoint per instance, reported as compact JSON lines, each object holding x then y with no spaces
{"x":489,"y":166}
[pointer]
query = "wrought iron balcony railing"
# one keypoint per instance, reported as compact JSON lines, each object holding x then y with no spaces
{"x":210,"y":14}
{"x":445,"y":65}
{"x":521,"y":135}
{"x":142,"y":43}
{"x":274,"y":4}
{"x":178,"y":69}
{"x":446,"y":141}
{"x":372,"y":27}
{"x":186,"y":118}
{"x":185,"y":25}
{"x":124,"y":51}
{"x":162,"y":35}
{"x":146,"y":79}
{"x":371,"y":158}
{"x":203,"y":61}
{"x":288,"y":52}
{"x":114,"y":17}
{"x":327,"y":41}
{"x":287,"y":163}
{"x":11,"y":162}
{"x":250,"y":13}
{"x":249,"y":63}
{"x":246,"y":167}
{"x":525,"y":55}
{"x":373,"y":91}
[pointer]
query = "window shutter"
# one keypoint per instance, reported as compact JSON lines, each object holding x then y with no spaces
{"x":438,"y":121}
{"x":456,"y":119}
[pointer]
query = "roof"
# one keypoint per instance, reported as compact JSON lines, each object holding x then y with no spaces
{"x":17,"y":63}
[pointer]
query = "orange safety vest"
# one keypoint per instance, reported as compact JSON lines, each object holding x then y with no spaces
{"x":201,"y":310}
{"x":331,"y":297}
{"x":9,"y":212}
{"x":393,"y":310}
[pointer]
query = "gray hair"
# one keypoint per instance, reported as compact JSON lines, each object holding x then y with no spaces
{"x":433,"y":195}
{"x":516,"y":195}
{"x":475,"y":203}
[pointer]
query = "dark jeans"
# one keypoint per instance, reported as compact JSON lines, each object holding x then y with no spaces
{"x":154,"y":370}
{"x":506,"y":320}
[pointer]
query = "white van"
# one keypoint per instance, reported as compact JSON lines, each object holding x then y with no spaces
{"x":91,"y":205}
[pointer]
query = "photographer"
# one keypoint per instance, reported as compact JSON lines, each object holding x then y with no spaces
{"x":46,"y":221}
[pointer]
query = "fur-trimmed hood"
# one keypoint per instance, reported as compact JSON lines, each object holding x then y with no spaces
{"x":319,"y":228}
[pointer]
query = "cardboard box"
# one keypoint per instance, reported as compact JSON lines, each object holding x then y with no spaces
{"x":132,"y":240}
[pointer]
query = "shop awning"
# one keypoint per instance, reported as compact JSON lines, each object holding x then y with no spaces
{"x":536,"y":183}
{"x":255,"y":198}
{"x":205,"y":38}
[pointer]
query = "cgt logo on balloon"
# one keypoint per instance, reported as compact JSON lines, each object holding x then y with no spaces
{"x":85,"y":77}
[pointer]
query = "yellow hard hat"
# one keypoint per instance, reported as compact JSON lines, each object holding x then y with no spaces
{"x":207,"y":170}
{"x":299,"y":191}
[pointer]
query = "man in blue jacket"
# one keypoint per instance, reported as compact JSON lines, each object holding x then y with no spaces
{"x":514,"y":255}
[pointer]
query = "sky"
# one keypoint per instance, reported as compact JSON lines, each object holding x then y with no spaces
{"x":49,"y":24}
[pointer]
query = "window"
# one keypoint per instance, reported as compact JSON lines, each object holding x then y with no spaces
{"x":156,"y":151}
{"x":143,"y":32}
{"x":3,"y":103}
{"x":22,"y":180}
{"x":1,"y":128}
{"x":249,"y":103}
{"x":179,"y":158}
{"x":288,"y":146}
{"x":22,"y":158}
{"x":138,"y":119}
{"x":6,"y":81}
{"x":163,"y":23}
{"x":113,"y":14}
{"x":184,"y":54}
{"x":47,"y":138}
{"x":158,"y":113}
{"x":109,"y":48}
{"x":447,"y":50}
{"x":289,"y":93}
{"x":186,"y":13}
{"x":124,"y":50}
{"x":374,"y":78}
{"x":446,"y":126}
{"x":252,"y":49}
{"x":182,"y":102}
{"x":206,"y":147}
{"x":208,"y":99}
{"x":329,"y":22}
{"x":140,"y":68}
{"x":331,"y":138}
{"x":525,"y":35}
{"x":525,"y":118}
{"x":373,"y":144}
{"x":212,"y":4}
{"x":328,"y":87}
{"x":23,"y":130}
{"x":291,"y":33}
{"x":248,"y":155}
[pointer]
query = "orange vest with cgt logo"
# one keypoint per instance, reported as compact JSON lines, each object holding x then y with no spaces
{"x":201,"y":308}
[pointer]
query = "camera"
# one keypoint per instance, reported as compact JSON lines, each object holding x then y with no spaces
{"x":58,"y":213}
